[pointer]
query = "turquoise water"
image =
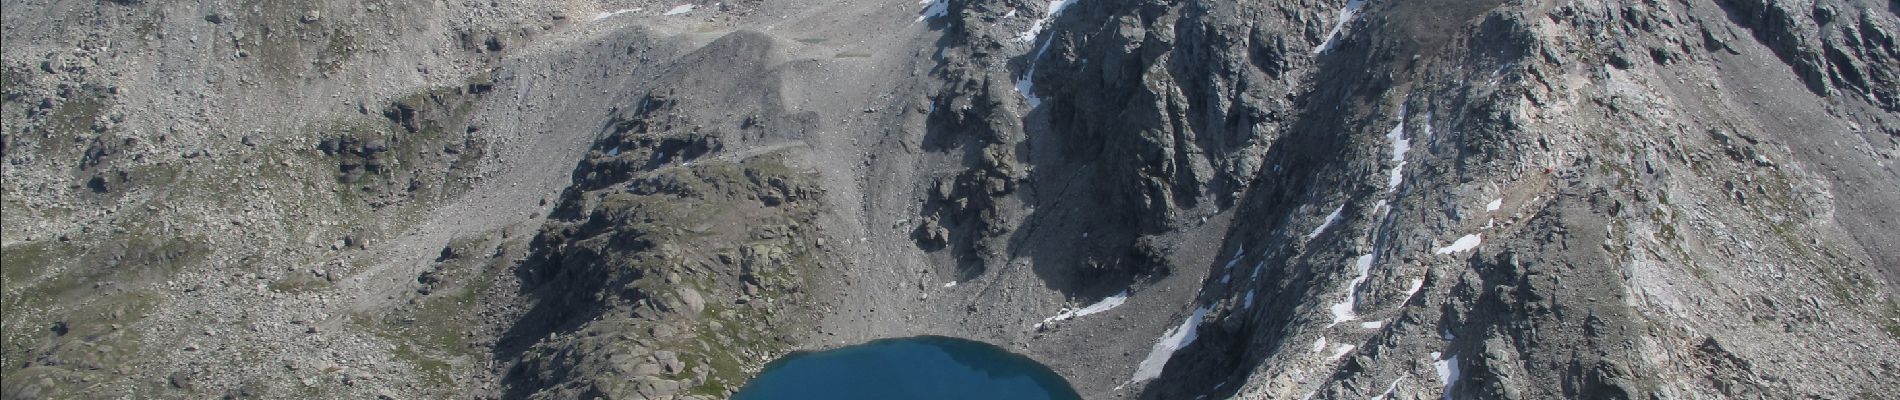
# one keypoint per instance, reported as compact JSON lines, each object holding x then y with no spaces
{"x":918,"y":368}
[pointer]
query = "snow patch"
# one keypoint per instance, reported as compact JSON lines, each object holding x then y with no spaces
{"x":610,"y":14}
{"x":1024,"y":85}
{"x":1494,"y":205}
{"x":1106,"y":304}
{"x":950,"y":284}
{"x":1319,"y":345}
{"x":1413,"y":290}
{"x":1346,"y":15}
{"x":1342,"y":311}
{"x":1389,"y":388}
{"x":934,"y":9}
{"x":1465,"y":243}
{"x":1330,"y":219}
{"x":1239,"y":253}
{"x":1035,"y":27}
{"x":1363,"y":264}
{"x":1342,"y":350}
{"x":1028,"y":88}
{"x":1447,"y":372}
{"x":680,"y":9}
{"x":1400,"y":145}
{"x":1372,"y":324}
{"x":1248,"y":303}
{"x":1164,"y":349}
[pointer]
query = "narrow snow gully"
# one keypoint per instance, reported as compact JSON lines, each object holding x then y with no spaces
{"x":1346,"y":15}
{"x":1106,"y":304}
{"x":1025,"y":84}
{"x":1164,"y":349}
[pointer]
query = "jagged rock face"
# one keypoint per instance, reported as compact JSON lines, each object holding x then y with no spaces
{"x":1575,"y":290}
{"x":671,"y":268}
{"x":1837,"y":48}
{"x":1185,"y":112}
{"x":1516,"y":190}
{"x":1158,"y":199}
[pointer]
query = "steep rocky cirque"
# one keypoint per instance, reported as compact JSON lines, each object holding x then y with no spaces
{"x":1504,"y":200}
{"x":1483,"y":199}
{"x":1157,"y":199}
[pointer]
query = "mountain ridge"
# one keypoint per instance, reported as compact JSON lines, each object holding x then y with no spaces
{"x":633,"y":199}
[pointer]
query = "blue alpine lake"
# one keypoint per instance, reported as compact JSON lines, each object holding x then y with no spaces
{"x":916,"y":368}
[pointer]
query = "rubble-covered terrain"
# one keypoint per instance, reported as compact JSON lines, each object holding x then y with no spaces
{"x":1157,"y":199}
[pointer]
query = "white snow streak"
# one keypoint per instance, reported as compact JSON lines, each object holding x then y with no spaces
{"x":1330,"y":219}
{"x":1106,"y":304}
{"x":1467,"y":242}
{"x":1341,"y":350}
{"x":1248,"y":303}
{"x":1372,"y":324}
{"x":680,"y":9}
{"x":1024,"y":84}
{"x":1342,"y":311}
{"x":1346,"y":15}
{"x":606,"y":15}
{"x":1400,"y":145}
{"x":934,"y":9}
{"x":1035,"y":27}
{"x":1494,"y":204}
{"x":950,"y":284}
{"x":1389,"y":388}
{"x":1447,"y":372}
{"x":1319,"y":345}
{"x":1028,"y":88}
{"x":1164,"y":349}
{"x":1228,"y":276}
{"x":1416,"y":284}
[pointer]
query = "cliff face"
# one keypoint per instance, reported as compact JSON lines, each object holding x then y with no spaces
{"x":1392,"y":199}
{"x":1502,"y":200}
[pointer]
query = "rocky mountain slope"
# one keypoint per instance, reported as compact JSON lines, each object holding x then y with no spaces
{"x":1157,"y":199}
